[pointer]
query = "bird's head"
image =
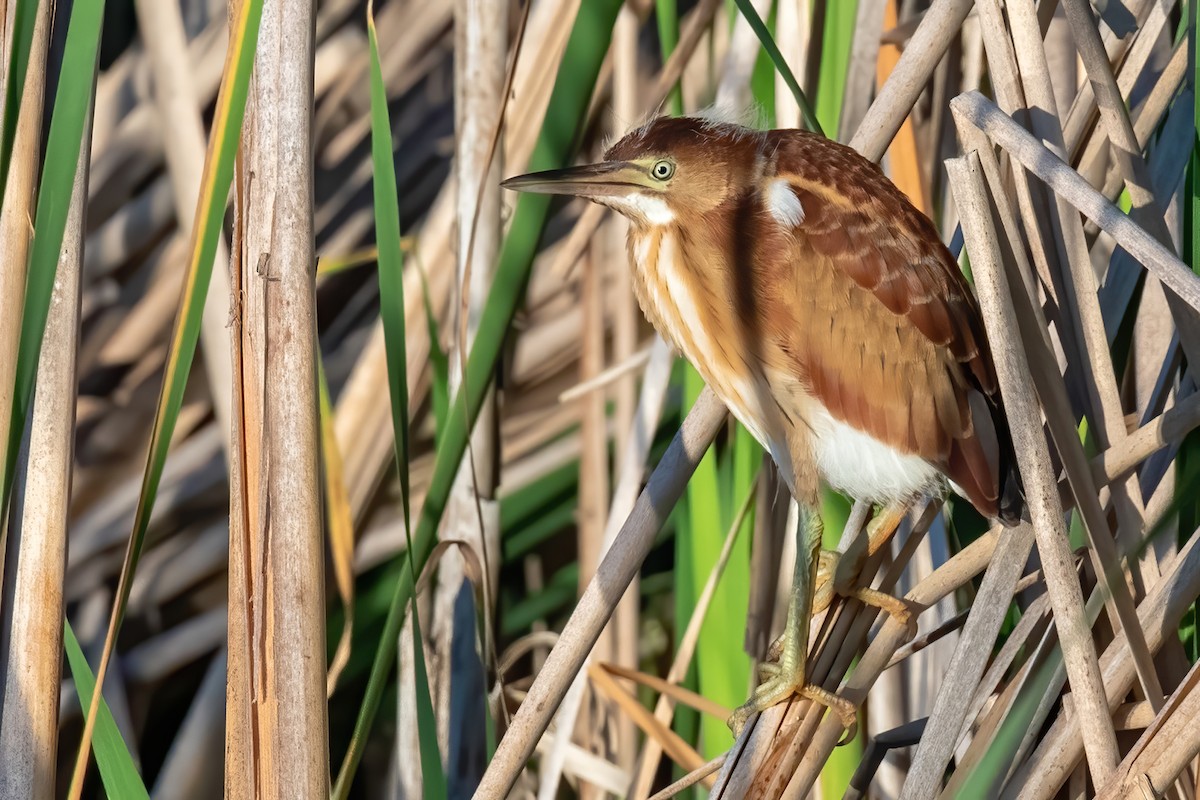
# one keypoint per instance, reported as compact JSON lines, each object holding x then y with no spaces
{"x":667,"y":170}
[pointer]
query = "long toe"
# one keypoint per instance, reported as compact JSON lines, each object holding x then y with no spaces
{"x":901,"y":610}
{"x":845,"y":711}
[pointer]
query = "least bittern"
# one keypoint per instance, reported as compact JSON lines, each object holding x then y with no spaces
{"x":825,"y":311}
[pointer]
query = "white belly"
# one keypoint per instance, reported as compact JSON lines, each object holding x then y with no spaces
{"x":865,"y":468}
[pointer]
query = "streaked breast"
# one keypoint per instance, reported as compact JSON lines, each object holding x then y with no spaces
{"x":671,"y":292}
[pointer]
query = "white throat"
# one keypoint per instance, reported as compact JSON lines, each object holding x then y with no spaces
{"x":646,"y":207}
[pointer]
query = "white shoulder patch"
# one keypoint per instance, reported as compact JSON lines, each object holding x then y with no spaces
{"x":783,"y":204}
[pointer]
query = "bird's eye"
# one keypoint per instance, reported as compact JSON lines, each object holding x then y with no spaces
{"x":662,"y":170}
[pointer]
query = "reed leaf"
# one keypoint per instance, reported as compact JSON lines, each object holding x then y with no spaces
{"x":391,"y":310}
{"x":117,"y":770}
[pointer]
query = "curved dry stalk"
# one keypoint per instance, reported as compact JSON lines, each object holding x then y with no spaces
{"x":681,"y":752}
{"x":600,"y":599}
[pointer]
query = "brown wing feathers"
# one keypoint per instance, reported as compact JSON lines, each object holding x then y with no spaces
{"x":933,"y":394}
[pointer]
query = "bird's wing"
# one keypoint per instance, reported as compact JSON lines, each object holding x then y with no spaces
{"x":906,"y":360}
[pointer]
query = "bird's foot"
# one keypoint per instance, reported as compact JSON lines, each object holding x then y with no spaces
{"x":780,"y":686}
{"x":830,"y":581}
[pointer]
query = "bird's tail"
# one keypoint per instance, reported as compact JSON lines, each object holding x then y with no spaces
{"x":1011,"y":508}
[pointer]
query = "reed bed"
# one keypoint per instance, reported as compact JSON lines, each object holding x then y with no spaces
{"x":352,"y":476}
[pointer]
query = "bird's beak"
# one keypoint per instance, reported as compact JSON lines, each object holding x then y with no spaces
{"x":606,"y":179}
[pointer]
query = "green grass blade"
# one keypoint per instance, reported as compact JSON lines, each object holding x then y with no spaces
{"x":667,"y":16}
{"x":70,"y":114}
{"x":573,"y":87}
{"x":22,"y":42}
{"x":117,"y":770}
{"x":836,"y":40}
{"x":391,"y":310}
{"x":986,"y":779}
{"x":210,"y":213}
{"x":746,"y":8}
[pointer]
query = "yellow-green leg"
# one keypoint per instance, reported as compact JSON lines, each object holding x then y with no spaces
{"x":788,"y":677}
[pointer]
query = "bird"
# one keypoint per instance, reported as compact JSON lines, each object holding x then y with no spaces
{"x":825,"y":311}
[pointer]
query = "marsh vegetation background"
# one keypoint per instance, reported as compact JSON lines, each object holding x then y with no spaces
{"x":278,"y":359}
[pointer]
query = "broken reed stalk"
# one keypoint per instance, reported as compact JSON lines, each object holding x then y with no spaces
{"x":277,"y":739}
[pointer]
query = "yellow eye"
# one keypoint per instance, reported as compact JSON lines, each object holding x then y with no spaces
{"x":662,"y":170}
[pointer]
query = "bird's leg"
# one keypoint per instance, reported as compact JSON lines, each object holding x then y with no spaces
{"x":838,"y":572}
{"x":788,"y":677}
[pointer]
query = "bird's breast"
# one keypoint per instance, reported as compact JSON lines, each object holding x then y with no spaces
{"x":680,"y":296}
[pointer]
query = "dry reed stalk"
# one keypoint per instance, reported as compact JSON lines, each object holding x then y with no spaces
{"x":624,"y":499}
{"x":1128,"y":52}
{"x":976,"y":110}
{"x":625,"y":320}
{"x":16,"y":225}
{"x":599,"y":719}
{"x":1012,"y":371}
{"x":906,"y":160}
{"x":967,"y":666}
{"x":1169,"y":742}
{"x":1130,"y":164}
{"x":793,"y":30}
{"x":770,"y":752}
{"x":31,"y":625}
{"x":664,"y":708}
{"x":941,"y":24}
{"x":1160,"y":612}
{"x":276,"y":744}
{"x":865,"y":56}
{"x":1062,"y":424}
